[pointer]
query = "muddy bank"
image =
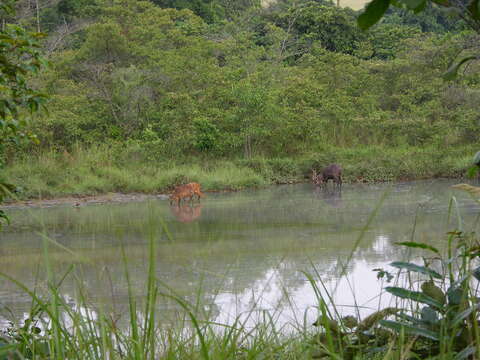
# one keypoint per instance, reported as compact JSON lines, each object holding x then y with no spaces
{"x":78,"y":201}
{"x":82,"y":200}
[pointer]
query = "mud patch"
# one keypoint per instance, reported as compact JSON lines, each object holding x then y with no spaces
{"x":83,"y":200}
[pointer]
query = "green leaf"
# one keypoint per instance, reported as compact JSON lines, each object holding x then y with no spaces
{"x":409,"y":318}
{"x":420,"y":7}
{"x":416,"y":268}
{"x":473,"y":8}
{"x":429,"y":315}
{"x":476,"y":158}
{"x":472,"y":171}
{"x":452,"y":71}
{"x":413,"y":295}
{"x":373,"y":13}
{"x":414,"y":330}
{"x":464,"y":314}
{"x":441,"y":2}
{"x":466,"y":353}
{"x":7,"y":349}
{"x":430,"y":289}
{"x":414,"y":4}
{"x":476,"y":273}
{"x":3,"y":217}
{"x":413,"y":244}
{"x":455,"y":296}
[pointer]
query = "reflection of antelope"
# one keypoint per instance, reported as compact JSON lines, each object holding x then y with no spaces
{"x":332,"y":197}
{"x":186,"y":213}
{"x":314,"y":177}
{"x":182,"y":192}
{"x":332,"y":171}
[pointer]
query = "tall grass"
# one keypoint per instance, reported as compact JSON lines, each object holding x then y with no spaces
{"x":103,"y":169}
{"x":56,"y":330}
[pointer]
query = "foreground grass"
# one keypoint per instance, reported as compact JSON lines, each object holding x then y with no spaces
{"x":100,"y":170}
{"x":438,"y":322}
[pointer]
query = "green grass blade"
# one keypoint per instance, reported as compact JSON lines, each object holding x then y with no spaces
{"x":417,"y":245}
{"x":399,"y":327}
{"x":466,"y":353}
{"x":416,"y":268}
{"x":413,"y":295}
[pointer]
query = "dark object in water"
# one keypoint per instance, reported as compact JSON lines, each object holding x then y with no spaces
{"x":332,"y":171}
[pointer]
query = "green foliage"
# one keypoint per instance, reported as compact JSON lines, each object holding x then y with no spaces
{"x":20,"y":58}
{"x":439,"y":320}
{"x":210,"y":10}
{"x":26,"y":341}
{"x":389,"y":39}
{"x":75,"y":8}
{"x":475,"y":168}
{"x":373,"y":13}
{"x":206,"y":135}
{"x":333,"y":28}
{"x":451,"y":311}
{"x":468,"y":13}
{"x":433,"y":19}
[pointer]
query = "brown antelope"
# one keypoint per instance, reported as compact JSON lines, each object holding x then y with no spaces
{"x":186,"y":191}
{"x":332,"y":171}
{"x":196,"y":189}
{"x":181,"y":192}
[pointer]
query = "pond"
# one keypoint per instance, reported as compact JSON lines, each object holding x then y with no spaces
{"x":234,"y":252}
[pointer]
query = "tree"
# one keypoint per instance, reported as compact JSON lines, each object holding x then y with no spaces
{"x":467,"y":10}
{"x":310,"y":23}
{"x":431,"y":20}
{"x":210,"y":10}
{"x":19,"y":59}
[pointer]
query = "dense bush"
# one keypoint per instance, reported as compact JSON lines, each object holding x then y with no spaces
{"x":163,"y":78}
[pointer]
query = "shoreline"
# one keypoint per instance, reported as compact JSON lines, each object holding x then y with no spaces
{"x":120,"y":197}
{"x":88,"y":178}
{"x":82,"y":200}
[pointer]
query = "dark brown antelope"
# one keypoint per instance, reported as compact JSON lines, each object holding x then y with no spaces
{"x":332,"y":171}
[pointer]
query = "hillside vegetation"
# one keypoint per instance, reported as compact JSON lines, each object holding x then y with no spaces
{"x":144,"y":95}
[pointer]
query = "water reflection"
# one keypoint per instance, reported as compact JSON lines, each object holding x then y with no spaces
{"x":243,"y":249}
{"x":331,"y":196}
{"x":186,"y":213}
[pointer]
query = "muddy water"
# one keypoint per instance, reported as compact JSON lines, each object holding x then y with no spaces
{"x":237,"y":252}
